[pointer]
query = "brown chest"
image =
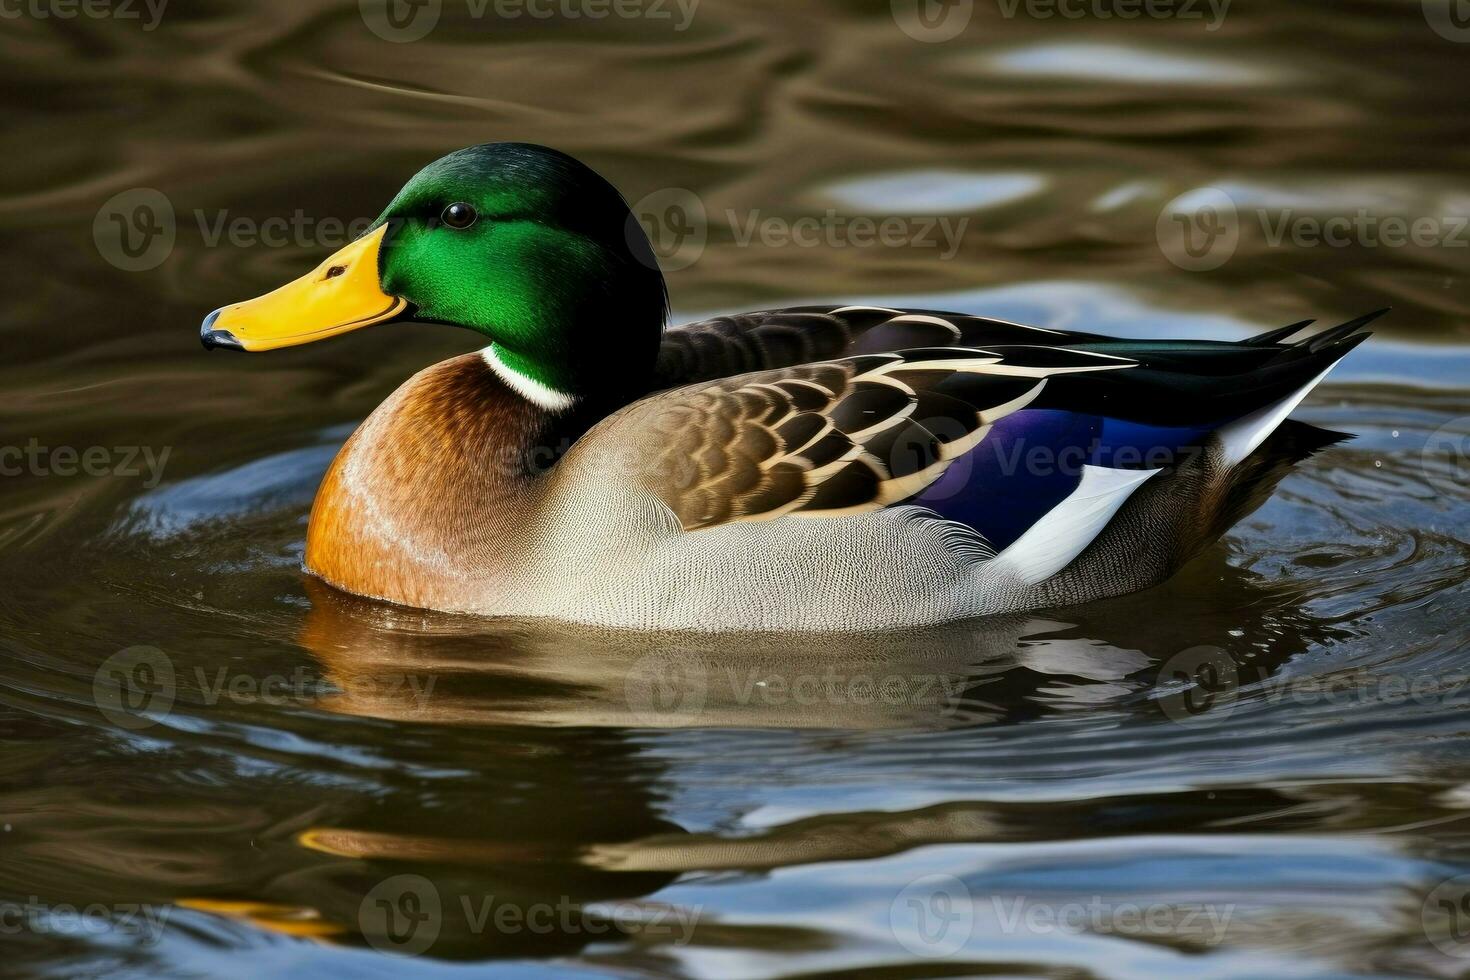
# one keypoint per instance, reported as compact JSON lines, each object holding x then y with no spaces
{"x":418,"y":503}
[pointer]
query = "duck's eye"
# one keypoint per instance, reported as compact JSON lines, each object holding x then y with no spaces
{"x":459,"y":215}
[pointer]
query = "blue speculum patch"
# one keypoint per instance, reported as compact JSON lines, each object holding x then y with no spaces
{"x":1033,"y":459}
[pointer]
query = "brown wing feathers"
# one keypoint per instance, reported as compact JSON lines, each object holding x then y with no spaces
{"x":841,"y":437}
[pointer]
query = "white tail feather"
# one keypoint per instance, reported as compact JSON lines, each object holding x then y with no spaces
{"x":1241,"y":438}
{"x":1051,"y":543}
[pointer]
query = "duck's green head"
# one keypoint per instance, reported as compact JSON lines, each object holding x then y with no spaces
{"x":520,"y":243}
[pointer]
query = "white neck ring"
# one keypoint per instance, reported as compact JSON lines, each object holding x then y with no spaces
{"x":533,"y":391}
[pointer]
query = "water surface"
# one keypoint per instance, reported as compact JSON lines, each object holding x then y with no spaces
{"x":1258,"y":769}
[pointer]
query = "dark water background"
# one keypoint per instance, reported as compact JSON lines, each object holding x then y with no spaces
{"x":1261,"y":769}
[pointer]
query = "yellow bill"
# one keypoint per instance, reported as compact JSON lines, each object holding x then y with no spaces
{"x":341,"y":294}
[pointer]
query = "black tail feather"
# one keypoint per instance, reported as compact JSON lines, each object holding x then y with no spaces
{"x":1317,"y":341}
{"x":1328,"y":338}
{"x":1272,"y":337}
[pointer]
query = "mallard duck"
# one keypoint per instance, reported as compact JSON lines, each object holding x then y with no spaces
{"x":816,"y":468}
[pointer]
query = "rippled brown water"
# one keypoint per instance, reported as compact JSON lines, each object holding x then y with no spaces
{"x":336,"y":786}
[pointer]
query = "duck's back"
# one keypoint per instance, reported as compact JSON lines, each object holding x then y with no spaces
{"x":742,"y":342}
